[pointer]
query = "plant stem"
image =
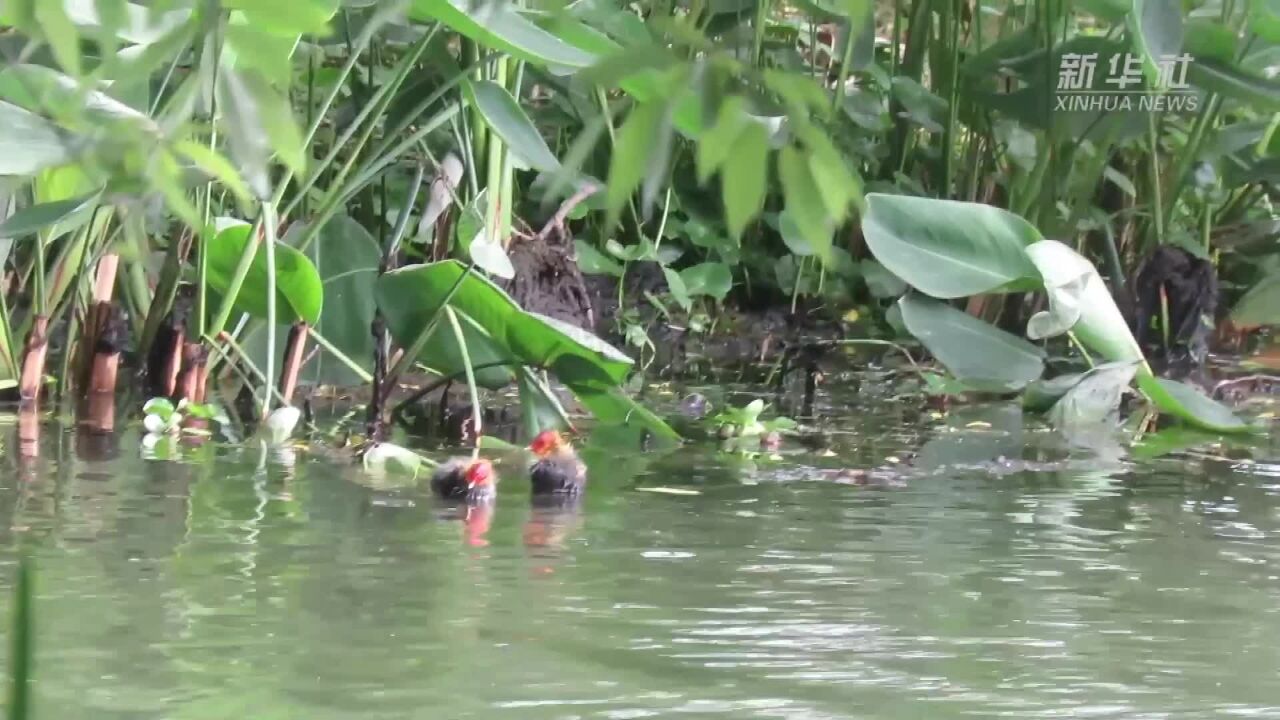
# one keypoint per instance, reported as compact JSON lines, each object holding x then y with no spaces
{"x":269,"y":224}
{"x":411,"y":352}
{"x":342,"y":357}
{"x":1158,"y":213}
{"x":471,"y":376}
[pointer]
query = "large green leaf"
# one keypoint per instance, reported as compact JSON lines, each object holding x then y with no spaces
{"x":500,"y":26}
{"x":29,"y":143}
{"x":502,"y":113}
{"x":299,"y":290}
{"x":1259,"y":306}
{"x":1190,"y":405}
{"x":744,"y":180}
{"x":1079,"y":301}
{"x":347,"y":257}
{"x":627,"y":418}
{"x":805,"y":206}
{"x":950,"y":249}
{"x":1264,"y":19}
{"x":1094,"y":399}
{"x":410,"y":296}
{"x":287,"y":17}
{"x":978,"y":354}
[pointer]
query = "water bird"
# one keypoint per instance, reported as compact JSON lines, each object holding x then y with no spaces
{"x":557,"y":470}
{"x":470,"y":480}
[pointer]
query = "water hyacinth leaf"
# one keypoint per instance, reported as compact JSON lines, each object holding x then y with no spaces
{"x":503,"y":114}
{"x":500,"y":26}
{"x":950,"y":249}
{"x":29,"y":143}
{"x":1094,"y":399}
{"x":979,"y":354}
{"x":744,"y":181}
{"x":1156,"y":28}
{"x":1190,"y":405}
{"x":35,"y":218}
{"x":299,"y":290}
{"x":1259,"y":306}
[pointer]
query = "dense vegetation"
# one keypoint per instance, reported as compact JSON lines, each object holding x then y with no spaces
{"x":218,"y":188}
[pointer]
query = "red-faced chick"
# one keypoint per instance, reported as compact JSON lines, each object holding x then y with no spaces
{"x":557,"y":470}
{"x":466,"y":480}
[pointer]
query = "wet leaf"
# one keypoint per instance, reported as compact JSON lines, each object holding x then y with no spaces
{"x":1190,"y":405}
{"x":1094,"y":400}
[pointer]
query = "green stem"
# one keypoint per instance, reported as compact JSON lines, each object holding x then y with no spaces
{"x":471,"y":375}
{"x":1158,"y":211}
{"x":269,"y":224}
{"x":237,"y":279}
{"x":342,"y":357}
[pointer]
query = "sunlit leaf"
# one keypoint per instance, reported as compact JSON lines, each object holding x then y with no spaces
{"x":299,"y":291}
{"x":503,"y":114}
{"x":744,"y":180}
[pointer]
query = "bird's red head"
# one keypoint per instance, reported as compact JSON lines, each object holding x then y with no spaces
{"x":547,"y":442}
{"x":479,"y":473}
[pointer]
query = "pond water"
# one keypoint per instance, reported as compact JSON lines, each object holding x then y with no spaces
{"x":1087,"y":583}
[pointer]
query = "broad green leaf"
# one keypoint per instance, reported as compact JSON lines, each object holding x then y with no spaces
{"x":29,"y":143}
{"x":268,"y":53}
{"x":950,"y":249}
{"x":1210,"y":40}
{"x":1156,"y":27}
{"x":631,"y":155}
{"x":347,"y":258}
{"x":710,"y":278}
{"x":500,"y":26}
{"x":242,"y":122}
{"x":299,"y":290}
{"x":718,"y":142}
{"x":744,"y":180}
{"x":978,"y":354}
{"x":503,"y":114}
{"x":410,"y":296}
{"x":593,"y":262}
{"x":1263,"y":94}
{"x":1190,"y":405}
{"x":1259,"y":306}
{"x":677,"y":290}
{"x":43,"y":89}
{"x":613,"y":408}
{"x":35,"y":218}
{"x":804,"y":201}
{"x":1264,"y":19}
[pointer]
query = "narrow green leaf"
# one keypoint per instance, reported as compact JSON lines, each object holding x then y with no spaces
{"x":631,"y":155}
{"x":1232,"y":82}
{"x":1156,"y":26}
{"x":804,"y":201}
{"x":35,"y":218}
{"x":744,"y":181}
{"x":503,"y":114}
{"x":287,"y":17}
{"x":60,"y":33}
